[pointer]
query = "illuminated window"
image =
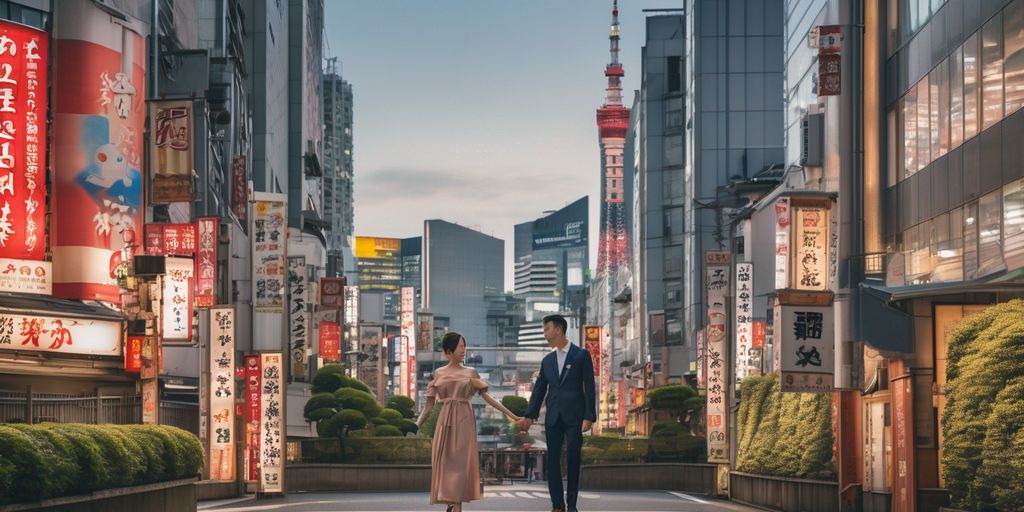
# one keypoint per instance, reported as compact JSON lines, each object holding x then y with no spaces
{"x":992,"y":71}
{"x":1013,"y":67}
{"x":972,"y":84}
{"x":956,"y":98}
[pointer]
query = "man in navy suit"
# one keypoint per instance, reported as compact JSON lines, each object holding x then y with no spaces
{"x":566,"y":379}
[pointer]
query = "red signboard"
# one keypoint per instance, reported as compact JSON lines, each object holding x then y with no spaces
{"x":592,"y":344}
{"x":171,"y":239}
{"x":330,"y":341}
{"x":904,"y":497}
{"x":206,"y":262}
{"x":829,"y":75}
{"x":133,"y":354}
{"x":24,"y":54}
{"x":760,"y":333}
{"x":332,"y":292}
{"x":253,"y":396}
{"x":239,"y":188}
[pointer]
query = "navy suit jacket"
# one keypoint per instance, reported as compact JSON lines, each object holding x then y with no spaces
{"x":571,"y":395}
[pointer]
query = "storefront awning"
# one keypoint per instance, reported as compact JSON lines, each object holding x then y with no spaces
{"x":16,"y":303}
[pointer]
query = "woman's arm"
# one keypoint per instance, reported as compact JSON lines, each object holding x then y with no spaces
{"x":497,"y":405}
{"x":427,"y":409}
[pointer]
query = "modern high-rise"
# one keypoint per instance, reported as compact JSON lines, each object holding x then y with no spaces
{"x":266,"y":42}
{"x":553,"y":256}
{"x":305,"y":120}
{"x":339,"y":171}
{"x":379,"y":261}
{"x":461,"y":269}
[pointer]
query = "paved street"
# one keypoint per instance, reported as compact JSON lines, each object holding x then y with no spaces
{"x":518,"y":498}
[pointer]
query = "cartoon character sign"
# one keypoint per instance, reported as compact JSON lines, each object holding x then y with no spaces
{"x":99,"y":113}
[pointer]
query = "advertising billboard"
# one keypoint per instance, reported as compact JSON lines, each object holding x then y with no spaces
{"x":98,"y":123}
{"x":171,"y":152}
{"x":221,"y":389}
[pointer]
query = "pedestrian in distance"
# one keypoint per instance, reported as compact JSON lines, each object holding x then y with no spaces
{"x":455,"y":460}
{"x":565,"y":386}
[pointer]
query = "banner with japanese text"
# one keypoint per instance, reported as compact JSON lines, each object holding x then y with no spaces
{"x":171,"y":239}
{"x":811,"y":245}
{"x":716,"y":283}
{"x":350,"y":327}
{"x":26,"y":276}
{"x":332,"y":292}
{"x":222,"y":393}
{"x":60,"y":335}
{"x":330,"y":341}
{"x":171,"y":152}
{"x":272,"y":424}
{"x":133,"y":354}
{"x":805,"y":338}
{"x":782,"y":222}
{"x":206,"y":261}
{"x":24,"y":59}
{"x":99,"y":112}
{"x":298,"y":317}
{"x":253,"y":414}
{"x":744,"y":321}
{"x":177,"y":299}
{"x":269,"y":233}
{"x":239,"y":189}
{"x":408,"y":345}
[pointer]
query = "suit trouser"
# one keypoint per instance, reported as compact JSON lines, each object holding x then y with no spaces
{"x":558,"y":434}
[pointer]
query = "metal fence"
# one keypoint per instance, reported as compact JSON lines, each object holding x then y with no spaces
{"x":91,"y":408}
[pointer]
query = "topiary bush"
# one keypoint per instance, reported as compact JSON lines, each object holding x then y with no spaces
{"x":983,"y":422}
{"x":771,"y":423}
{"x":354,"y":399}
{"x":404,"y":405}
{"x":391,"y":417}
{"x":51,"y":460}
{"x":387,"y":431}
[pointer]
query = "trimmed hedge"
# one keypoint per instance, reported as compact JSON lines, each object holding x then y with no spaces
{"x":784,"y":434}
{"x":664,"y":448}
{"x":51,"y":460}
{"x":367,"y":450}
{"x":983,"y":423}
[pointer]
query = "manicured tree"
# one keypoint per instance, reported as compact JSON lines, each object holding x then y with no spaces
{"x":351,"y":398}
{"x":387,"y":431}
{"x":391,"y":417}
{"x":329,"y":378}
{"x":320,"y":407}
{"x":515,"y":404}
{"x":679,"y":400}
{"x":340,"y":425}
{"x":983,"y":423}
{"x":404,"y":405}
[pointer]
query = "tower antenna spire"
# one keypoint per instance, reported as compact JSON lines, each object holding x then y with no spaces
{"x":612,"y":123}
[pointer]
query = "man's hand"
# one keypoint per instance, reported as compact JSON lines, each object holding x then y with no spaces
{"x":587,"y":424}
{"x":525,"y":424}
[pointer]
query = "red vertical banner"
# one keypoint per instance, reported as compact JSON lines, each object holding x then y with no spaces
{"x":252,"y":415}
{"x":24,"y":56}
{"x":206,"y":262}
{"x":592,"y":344}
{"x":760,"y":332}
{"x":330,"y":341}
{"x":133,"y":354}
{"x":904,"y":495}
{"x":239,"y":189}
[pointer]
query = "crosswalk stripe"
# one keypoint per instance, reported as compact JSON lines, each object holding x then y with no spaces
{"x":688,"y":497}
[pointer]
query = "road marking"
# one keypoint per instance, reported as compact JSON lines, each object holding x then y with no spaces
{"x":688,"y":497}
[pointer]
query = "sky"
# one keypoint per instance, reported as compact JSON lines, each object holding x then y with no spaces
{"x":479,"y":112}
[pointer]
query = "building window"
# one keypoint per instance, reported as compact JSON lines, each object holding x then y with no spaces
{"x":935,"y":116}
{"x":910,"y":132}
{"x":924,"y":134}
{"x":970,"y":240}
{"x":1013,"y":67}
{"x":956,"y":97}
{"x":675,"y":74}
{"x":1013,"y":224}
{"x":972,"y":86}
{"x":990,"y":251}
{"x":940,"y":102}
{"x":992,"y":71}
{"x":674,"y":327}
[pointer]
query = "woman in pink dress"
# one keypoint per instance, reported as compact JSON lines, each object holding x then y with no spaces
{"x":454,"y":458}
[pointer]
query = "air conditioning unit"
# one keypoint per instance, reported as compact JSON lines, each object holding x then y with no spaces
{"x":812,"y":135}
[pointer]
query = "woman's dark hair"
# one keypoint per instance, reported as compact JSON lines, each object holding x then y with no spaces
{"x":450,"y":342}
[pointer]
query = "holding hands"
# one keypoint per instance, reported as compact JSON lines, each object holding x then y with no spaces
{"x":524,"y":424}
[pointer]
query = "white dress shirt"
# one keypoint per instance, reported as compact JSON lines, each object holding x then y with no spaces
{"x":562,"y":354}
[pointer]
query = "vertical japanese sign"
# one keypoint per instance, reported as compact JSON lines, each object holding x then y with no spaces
{"x":811,"y":241}
{"x":744,"y":320}
{"x":904,"y":484}
{"x":702,"y":356}
{"x":133,"y":354}
{"x":592,"y":344}
{"x":805,"y":340}
{"x":351,"y":318}
{"x":24,"y":59}
{"x":171,"y":239}
{"x":424,"y":332}
{"x":177,"y":299}
{"x":716,"y":282}
{"x":206,"y":262}
{"x":271,"y":424}
{"x":330,"y":341}
{"x":370,"y":369}
{"x":222,"y":393}
{"x":150,"y":401}
{"x":829,"y":60}
{"x":298,"y":316}
{"x":239,"y":188}
{"x":760,"y":330}
{"x":332,"y":292}
{"x":782,"y":221}
{"x":253,"y":414}
{"x":171,"y":154}
{"x":408,"y":346}
{"x":833,"y":248}
{"x":268,"y":238}
{"x":98,"y":123}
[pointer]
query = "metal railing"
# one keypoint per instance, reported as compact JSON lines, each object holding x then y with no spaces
{"x":68,"y":408}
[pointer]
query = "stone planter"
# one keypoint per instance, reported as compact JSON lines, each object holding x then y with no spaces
{"x":173,"y":496}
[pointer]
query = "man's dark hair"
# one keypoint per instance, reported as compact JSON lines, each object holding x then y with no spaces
{"x":450,"y":342}
{"x":559,"y":322}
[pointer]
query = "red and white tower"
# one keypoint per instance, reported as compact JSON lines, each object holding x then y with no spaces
{"x":612,"y":123}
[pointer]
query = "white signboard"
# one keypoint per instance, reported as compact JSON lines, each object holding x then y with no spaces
{"x":811,"y":247}
{"x":833,"y":248}
{"x":26,"y":276}
{"x":351,"y":328}
{"x":407,"y":348}
{"x":272,"y":425}
{"x":782,"y":222}
{"x":177,"y":299}
{"x":744,"y":320}
{"x":222,"y":393}
{"x":806,"y":335}
{"x":716,"y":282}
{"x":298,"y":316}
{"x":269,"y":233}
{"x":60,"y":335}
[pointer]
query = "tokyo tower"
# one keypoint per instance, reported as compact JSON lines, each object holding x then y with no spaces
{"x":612,"y":123}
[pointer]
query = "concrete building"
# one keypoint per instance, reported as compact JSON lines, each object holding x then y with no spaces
{"x":552,"y":260}
{"x":461,"y":269}
{"x":266,"y":41}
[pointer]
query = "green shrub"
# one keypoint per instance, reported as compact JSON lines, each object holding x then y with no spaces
{"x":342,"y":423}
{"x":391,"y":416}
{"x":31,"y":472}
{"x":94,"y":470}
{"x":351,"y":398}
{"x":408,"y":427}
{"x":327,"y":382}
{"x":404,"y":405}
{"x":770,"y":423}
{"x":360,"y":433}
{"x":387,"y":431}
{"x":378,"y":421}
{"x":667,"y":429}
{"x":983,"y":423}
{"x":318,"y":402}
{"x":152,"y":448}
{"x":515,"y":404}
{"x":64,"y":474}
